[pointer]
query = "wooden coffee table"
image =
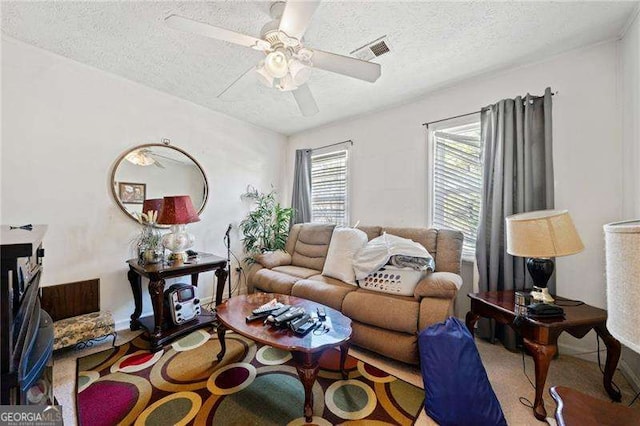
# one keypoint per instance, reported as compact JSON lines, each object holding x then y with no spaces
{"x":541,"y":335}
{"x":305,"y":350}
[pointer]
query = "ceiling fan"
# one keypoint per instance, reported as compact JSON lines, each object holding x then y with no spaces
{"x":287,"y":63}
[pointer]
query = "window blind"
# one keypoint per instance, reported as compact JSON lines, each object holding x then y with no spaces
{"x":457,"y":181}
{"x":329,"y":190}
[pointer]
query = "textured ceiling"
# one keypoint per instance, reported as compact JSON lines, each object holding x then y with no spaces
{"x":433,"y":44}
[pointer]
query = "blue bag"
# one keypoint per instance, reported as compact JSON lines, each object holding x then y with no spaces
{"x":456,"y":385}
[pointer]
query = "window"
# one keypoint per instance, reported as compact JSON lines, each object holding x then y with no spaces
{"x":329,"y":187}
{"x":456,"y":178}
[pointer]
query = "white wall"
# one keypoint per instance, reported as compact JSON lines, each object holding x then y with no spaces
{"x":630,"y":97}
{"x":629,"y":51}
{"x":63,"y":126}
{"x":389,"y":155}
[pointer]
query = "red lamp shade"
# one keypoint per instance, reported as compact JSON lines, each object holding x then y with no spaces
{"x":154,"y":204}
{"x":177,"y":210}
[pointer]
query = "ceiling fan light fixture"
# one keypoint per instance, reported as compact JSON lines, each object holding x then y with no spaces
{"x":263,"y":76}
{"x":276,"y":64}
{"x":286,"y":84}
{"x":299,"y":71}
{"x":140,"y":158}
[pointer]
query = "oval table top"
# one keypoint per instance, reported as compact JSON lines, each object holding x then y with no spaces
{"x":232,"y":314}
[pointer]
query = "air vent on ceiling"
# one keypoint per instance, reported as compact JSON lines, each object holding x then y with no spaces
{"x":372,"y":50}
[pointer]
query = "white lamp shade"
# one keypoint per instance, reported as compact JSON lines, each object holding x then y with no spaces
{"x":542,"y":234}
{"x":622,"y":244}
{"x":276,"y":64}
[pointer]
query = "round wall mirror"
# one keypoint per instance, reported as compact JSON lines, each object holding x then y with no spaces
{"x":155,"y":171}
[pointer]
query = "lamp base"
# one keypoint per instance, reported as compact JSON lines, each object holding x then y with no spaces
{"x":177,"y":241}
{"x":541,"y":294}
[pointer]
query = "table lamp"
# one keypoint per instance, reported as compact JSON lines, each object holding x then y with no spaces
{"x":541,"y":235}
{"x":152,"y":204}
{"x":622,"y":252}
{"x":177,"y":211}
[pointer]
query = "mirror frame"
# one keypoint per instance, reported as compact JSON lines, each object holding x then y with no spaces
{"x":148,"y":145}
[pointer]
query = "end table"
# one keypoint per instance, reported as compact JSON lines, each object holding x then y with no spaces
{"x":157,"y":273}
{"x":541,"y":335}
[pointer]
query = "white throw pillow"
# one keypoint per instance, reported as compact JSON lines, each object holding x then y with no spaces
{"x":345,"y":243}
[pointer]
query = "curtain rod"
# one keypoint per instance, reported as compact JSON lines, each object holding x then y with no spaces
{"x":474,"y":112}
{"x":334,"y":144}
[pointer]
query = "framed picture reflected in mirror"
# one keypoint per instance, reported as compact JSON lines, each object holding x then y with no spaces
{"x":132,"y":193}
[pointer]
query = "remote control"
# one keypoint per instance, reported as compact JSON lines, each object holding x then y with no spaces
{"x":267,"y":307}
{"x":302,"y":325}
{"x":288,"y":316}
{"x":280,"y":311}
{"x":254,"y":317}
{"x":322,"y":315}
{"x":272,"y":315}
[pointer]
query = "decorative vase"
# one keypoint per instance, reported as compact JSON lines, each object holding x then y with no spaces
{"x":150,"y":248}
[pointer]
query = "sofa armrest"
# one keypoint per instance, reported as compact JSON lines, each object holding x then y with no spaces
{"x":271,"y":259}
{"x":440,"y":285}
{"x":251,"y":277}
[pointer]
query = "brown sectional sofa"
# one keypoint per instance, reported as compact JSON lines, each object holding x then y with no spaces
{"x":382,"y":322}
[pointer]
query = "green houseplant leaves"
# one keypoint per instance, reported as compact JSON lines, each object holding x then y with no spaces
{"x":266,"y":227}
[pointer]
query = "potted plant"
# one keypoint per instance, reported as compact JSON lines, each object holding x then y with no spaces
{"x":149,"y":242}
{"x":266,"y":227}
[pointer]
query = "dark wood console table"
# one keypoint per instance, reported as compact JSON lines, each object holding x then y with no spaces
{"x":159,"y":332}
{"x":541,"y":335}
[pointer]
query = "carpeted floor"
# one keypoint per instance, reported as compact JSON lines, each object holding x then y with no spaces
{"x":503,"y":367}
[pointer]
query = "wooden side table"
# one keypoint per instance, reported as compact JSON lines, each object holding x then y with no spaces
{"x":541,"y":335}
{"x":578,"y":409}
{"x":157,"y":273}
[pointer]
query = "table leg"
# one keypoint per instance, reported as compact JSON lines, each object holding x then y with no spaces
{"x":221,"y":275}
{"x":136,"y":289}
{"x":613,"y":355}
{"x":156,"y":290}
{"x":223,"y":344}
{"x":471,"y":320}
{"x":542,"y":355}
{"x":344,"y":351}
{"x":307,"y":367}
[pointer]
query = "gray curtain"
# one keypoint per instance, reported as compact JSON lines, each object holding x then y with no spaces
{"x":301,"y":197}
{"x":518,"y":177}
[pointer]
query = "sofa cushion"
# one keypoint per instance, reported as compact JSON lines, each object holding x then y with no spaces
{"x":345,"y":243}
{"x":400,"y":346}
{"x":274,"y":281}
{"x":425,"y":236}
{"x":325,"y":290}
{"x":371,"y":231}
{"x":396,"y":313}
{"x":311,"y":246}
{"x":438,"y":284}
{"x":449,"y":256}
{"x":296,"y":271}
{"x":271,"y":259}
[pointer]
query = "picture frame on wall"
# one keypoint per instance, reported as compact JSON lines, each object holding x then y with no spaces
{"x":132,"y":193}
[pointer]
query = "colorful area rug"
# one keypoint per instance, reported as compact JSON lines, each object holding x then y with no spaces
{"x":253,"y":385}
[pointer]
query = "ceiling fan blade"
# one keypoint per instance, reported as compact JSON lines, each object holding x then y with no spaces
{"x":296,"y":17}
{"x":346,"y":65}
{"x":191,"y":26}
{"x":306,"y":102}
